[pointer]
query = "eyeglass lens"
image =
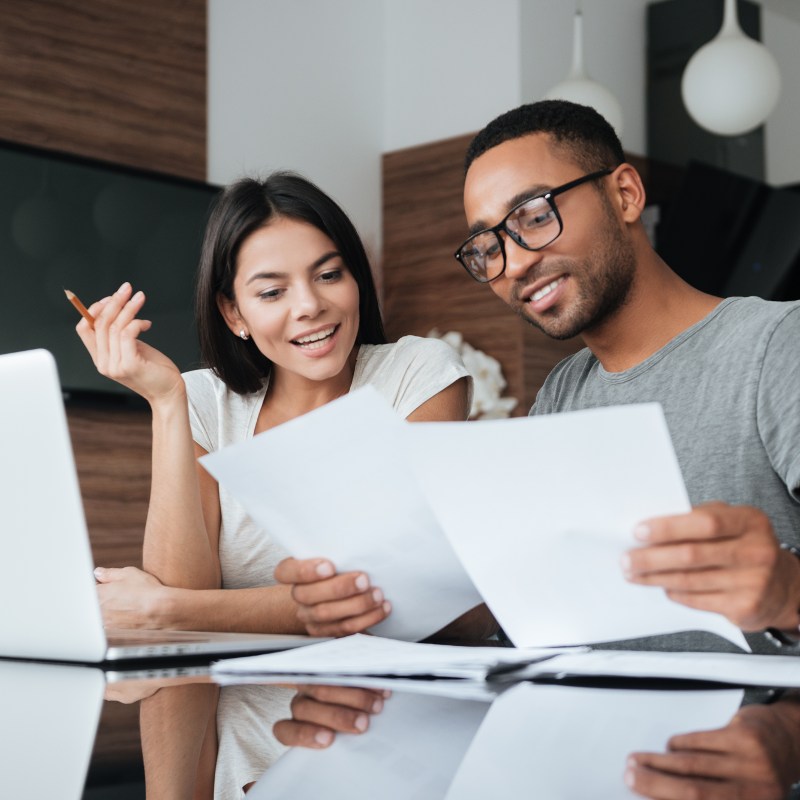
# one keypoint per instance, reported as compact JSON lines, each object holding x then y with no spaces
{"x":534,"y":224}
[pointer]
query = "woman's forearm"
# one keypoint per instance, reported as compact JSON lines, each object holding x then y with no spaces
{"x":177,"y":548}
{"x":265,"y":609}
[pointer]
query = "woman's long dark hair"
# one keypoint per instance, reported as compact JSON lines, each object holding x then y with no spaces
{"x":241,"y":209}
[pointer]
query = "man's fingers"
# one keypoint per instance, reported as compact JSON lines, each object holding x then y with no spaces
{"x":698,"y":580}
{"x":644,"y":778}
{"x":722,"y":553}
{"x":694,"y":763}
{"x":709,"y":521}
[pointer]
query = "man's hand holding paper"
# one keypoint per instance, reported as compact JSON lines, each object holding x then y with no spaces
{"x":719,"y":558}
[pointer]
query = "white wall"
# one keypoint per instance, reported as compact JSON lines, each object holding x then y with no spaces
{"x":613,"y":54}
{"x":450,"y":67}
{"x":298,"y":84}
{"x":326,"y":86}
{"x":781,"y":35}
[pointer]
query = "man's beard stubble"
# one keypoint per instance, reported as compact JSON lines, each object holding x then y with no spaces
{"x":603,"y":281}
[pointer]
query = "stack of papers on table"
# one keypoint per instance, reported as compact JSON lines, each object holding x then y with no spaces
{"x":361,"y":656}
{"x":530,"y":515}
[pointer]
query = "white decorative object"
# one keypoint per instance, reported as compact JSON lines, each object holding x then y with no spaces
{"x":732,"y":83}
{"x":487,"y":376}
{"x":578,"y":87}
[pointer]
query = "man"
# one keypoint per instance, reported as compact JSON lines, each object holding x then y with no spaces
{"x":578,"y":261}
{"x":554,"y":213}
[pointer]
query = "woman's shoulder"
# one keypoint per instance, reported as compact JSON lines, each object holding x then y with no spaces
{"x":202,"y":380}
{"x":205,"y":388}
{"x":409,"y":371}
{"x":408,"y":349}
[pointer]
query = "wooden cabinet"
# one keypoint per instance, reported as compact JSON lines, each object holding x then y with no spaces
{"x":112,"y":450}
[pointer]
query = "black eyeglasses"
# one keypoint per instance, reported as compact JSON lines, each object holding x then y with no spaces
{"x":533,"y":224}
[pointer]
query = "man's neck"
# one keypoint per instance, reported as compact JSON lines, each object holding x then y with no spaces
{"x":660,"y":306}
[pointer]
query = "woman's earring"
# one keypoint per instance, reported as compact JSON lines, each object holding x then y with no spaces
{"x":243,"y":334}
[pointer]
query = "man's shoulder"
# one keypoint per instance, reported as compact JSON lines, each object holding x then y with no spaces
{"x":757,"y":313}
{"x":563,"y":377}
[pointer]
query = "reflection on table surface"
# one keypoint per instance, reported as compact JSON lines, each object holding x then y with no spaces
{"x":177,"y":734}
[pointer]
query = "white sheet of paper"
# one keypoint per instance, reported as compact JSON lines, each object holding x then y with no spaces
{"x":739,"y":669}
{"x":372,"y":655}
{"x":440,"y":687}
{"x":412,"y":749}
{"x":540,"y":510}
{"x":334,"y":483}
{"x":572,"y":743}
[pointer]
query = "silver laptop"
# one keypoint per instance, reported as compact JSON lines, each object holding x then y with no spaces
{"x":48,"y":602}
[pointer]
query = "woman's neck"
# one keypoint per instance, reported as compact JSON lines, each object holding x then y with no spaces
{"x":290,"y":395}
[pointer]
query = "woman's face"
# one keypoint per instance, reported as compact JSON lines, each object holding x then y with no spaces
{"x":296,"y":298}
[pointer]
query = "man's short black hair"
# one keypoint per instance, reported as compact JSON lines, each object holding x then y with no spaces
{"x":585,"y":135}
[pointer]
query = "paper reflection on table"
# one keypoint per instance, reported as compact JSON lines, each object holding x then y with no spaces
{"x":569,"y":743}
{"x":412,"y":750}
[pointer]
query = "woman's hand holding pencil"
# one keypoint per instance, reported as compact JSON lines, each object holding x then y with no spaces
{"x":110,"y":331}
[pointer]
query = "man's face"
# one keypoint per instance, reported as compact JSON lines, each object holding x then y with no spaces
{"x":579,"y":280}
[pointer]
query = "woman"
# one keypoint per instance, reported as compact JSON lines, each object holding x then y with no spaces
{"x":288,"y":320}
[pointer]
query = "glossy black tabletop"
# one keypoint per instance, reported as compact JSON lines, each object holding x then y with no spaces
{"x":72,"y":732}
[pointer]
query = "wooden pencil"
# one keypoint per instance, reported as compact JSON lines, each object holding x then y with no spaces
{"x":84,"y":312}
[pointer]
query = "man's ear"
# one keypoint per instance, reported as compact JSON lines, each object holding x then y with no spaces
{"x":629,"y":192}
{"x":230,"y":313}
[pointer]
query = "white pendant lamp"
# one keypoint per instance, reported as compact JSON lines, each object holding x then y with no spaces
{"x":731,"y":84}
{"x":580,"y":88}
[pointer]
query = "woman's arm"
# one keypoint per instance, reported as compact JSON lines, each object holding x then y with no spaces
{"x":177,"y":548}
{"x":130,"y":598}
{"x":449,"y":405}
{"x":181,"y":538}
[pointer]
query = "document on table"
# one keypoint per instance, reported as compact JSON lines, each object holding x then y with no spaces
{"x":541,"y":509}
{"x":372,"y":655}
{"x":737,"y":669}
{"x":361,"y":656}
{"x":567,"y":742}
{"x":334,"y":483}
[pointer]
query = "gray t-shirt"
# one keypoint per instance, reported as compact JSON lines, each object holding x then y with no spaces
{"x":730,"y":390}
